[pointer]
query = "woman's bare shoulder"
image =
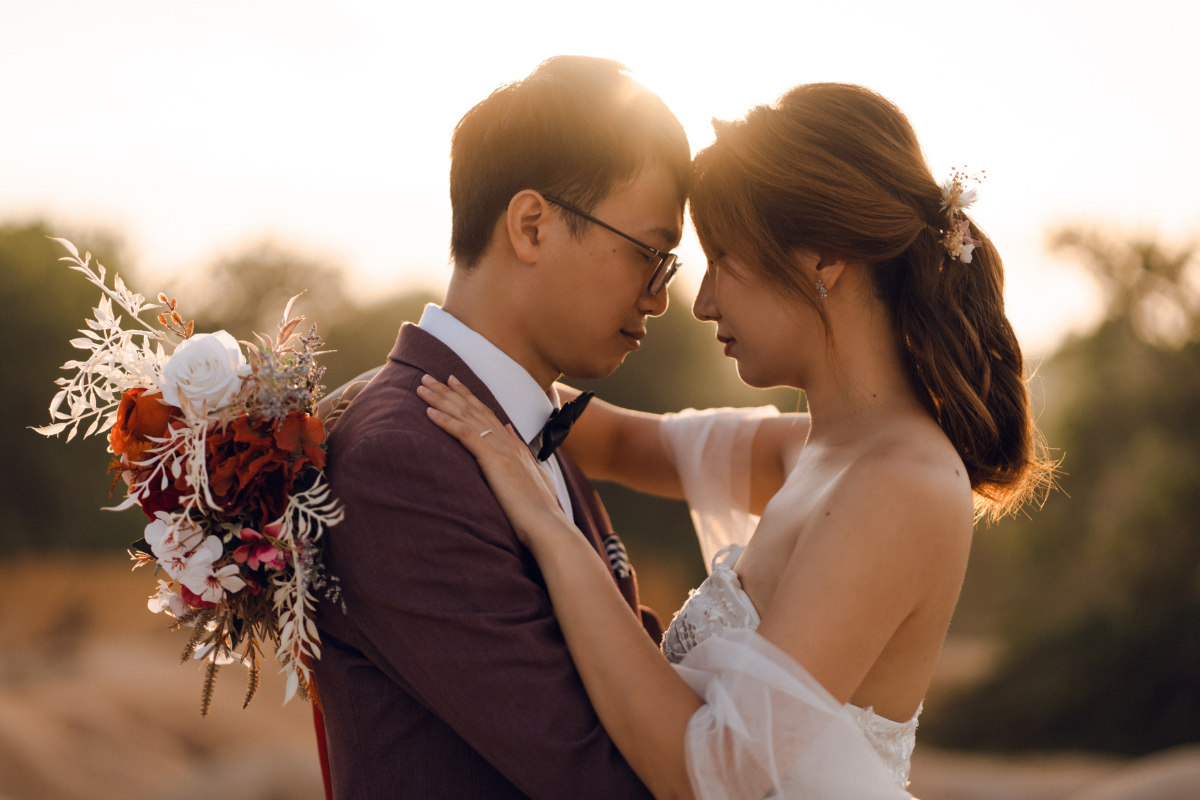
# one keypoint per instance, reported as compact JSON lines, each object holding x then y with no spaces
{"x":911,"y":485}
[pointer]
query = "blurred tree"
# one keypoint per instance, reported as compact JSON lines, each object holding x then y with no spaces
{"x":361,"y":340}
{"x":247,"y":291}
{"x":50,"y":492}
{"x":1100,"y":590}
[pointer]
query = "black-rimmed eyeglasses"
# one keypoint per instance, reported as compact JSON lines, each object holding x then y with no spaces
{"x":664,"y":269}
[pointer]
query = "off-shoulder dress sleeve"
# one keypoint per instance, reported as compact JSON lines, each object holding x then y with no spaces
{"x":711,"y":451}
{"x":769,"y":729}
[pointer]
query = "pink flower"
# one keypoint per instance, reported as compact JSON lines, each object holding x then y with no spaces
{"x":965,"y":227}
{"x":260,"y":552}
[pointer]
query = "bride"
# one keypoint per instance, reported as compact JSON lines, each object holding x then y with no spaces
{"x":836,"y":264}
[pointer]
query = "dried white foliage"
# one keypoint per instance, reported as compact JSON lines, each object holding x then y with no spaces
{"x":279,"y":376}
{"x":119,"y":359}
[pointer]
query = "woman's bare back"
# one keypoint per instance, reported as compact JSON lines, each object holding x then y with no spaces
{"x":800,"y":541}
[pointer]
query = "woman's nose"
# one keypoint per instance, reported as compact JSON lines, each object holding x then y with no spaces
{"x":705,"y":307}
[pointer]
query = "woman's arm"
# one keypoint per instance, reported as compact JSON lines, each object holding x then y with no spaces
{"x":610,"y":443}
{"x":642,"y":703}
{"x":776,"y":449}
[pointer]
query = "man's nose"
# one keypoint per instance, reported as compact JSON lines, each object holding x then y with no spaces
{"x":655,"y":305}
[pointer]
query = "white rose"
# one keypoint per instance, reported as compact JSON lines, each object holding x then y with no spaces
{"x":207,"y":369}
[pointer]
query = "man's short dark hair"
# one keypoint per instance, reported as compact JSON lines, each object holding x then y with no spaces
{"x":576,"y":128}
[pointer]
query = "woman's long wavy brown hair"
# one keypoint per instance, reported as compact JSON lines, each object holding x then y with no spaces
{"x":837,"y":168}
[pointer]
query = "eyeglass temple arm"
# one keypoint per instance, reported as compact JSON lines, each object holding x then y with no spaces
{"x":605,"y":225}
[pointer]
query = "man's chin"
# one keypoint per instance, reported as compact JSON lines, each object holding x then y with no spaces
{"x":593,"y":370}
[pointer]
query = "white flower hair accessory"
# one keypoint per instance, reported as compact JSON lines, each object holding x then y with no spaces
{"x":956,"y":198}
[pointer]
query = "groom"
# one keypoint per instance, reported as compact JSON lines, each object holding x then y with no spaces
{"x":446,"y":676}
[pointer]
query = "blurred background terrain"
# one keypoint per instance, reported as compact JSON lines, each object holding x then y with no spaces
{"x":305,"y":144}
{"x":1073,"y":665}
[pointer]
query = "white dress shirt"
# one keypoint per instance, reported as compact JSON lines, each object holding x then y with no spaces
{"x":514,"y":389}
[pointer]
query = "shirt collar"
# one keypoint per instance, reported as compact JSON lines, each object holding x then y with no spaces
{"x":513,"y":387}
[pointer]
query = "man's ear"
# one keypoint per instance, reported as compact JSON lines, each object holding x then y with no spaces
{"x":526,"y":221}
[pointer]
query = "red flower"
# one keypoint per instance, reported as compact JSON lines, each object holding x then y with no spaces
{"x":299,"y":431}
{"x":193,"y":599}
{"x":246,"y":473}
{"x":141,"y":415}
{"x":159,"y":499}
{"x":252,"y":585}
{"x":251,"y":468}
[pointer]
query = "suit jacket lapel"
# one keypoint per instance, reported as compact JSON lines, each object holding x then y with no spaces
{"x":583,"y":500}
{"x":427,"y":353}
{"x":592,"y":519}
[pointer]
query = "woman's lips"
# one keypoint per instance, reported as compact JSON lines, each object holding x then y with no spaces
{"x":728,"y":342}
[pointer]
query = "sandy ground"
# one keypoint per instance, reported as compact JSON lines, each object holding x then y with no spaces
{"x":94,"y":704}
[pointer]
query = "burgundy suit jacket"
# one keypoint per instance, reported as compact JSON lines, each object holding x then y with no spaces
{"x":446,"y":675}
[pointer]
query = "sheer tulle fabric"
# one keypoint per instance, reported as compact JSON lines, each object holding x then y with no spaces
{"x":768,"y":729}
{"x":711,"y":450}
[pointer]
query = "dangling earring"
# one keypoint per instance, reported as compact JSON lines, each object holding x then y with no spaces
{"x":822,"y":292}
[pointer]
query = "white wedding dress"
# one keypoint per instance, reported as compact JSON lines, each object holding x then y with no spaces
{"x":767,"y":728}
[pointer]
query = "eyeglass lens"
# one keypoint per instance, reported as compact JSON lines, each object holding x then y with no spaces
{"x":663,"y":273}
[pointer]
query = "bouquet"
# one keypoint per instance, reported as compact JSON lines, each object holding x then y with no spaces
{"x":218,"y":443}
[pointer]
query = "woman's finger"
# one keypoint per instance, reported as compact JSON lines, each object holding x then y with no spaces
{"x":458,"y":386}
{"x":465,"y":433}
{"x":475,"y":421}
{"x":524,"y":489}
{"x":457,"y":400}
{"x":473,"y":402}
{"x":444,"y":399}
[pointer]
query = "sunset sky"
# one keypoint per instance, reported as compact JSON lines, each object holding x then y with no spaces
{"x":194,"y":128}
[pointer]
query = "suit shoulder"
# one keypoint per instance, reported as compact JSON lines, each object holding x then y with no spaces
{"x":389,"y":404}
{"x":387,"y":431}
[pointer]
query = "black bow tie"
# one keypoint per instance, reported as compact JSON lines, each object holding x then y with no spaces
{"x":559,"y":425}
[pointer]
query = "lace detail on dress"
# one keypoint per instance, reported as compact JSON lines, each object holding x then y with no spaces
{"x":720,"y":603}
{"x":894,"y":741}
